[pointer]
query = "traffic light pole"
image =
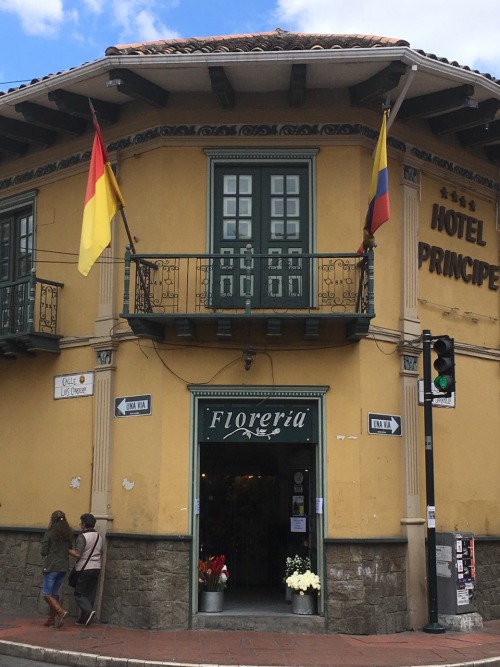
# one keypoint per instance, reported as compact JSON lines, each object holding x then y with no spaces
{"x":433,"y":625}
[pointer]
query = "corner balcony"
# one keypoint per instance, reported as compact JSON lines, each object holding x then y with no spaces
{"x":314,"y":297}
{"x":28,"y":317}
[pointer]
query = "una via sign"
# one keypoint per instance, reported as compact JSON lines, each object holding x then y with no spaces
{"x":133,"y":406}
{"x":379,"y":424}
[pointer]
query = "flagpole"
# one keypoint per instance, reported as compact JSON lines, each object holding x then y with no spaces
{"x":127,"y":230}
{"x":138,"y":263}
{"x":124,"y":217}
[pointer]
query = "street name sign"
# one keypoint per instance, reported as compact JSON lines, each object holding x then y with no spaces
{"x":74,"y":386}
{"x":379,"y":424}
{"x":437,"y":400}
{"x":133,"y":406}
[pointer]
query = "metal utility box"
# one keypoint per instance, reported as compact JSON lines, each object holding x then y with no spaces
{"x":456,"y":573}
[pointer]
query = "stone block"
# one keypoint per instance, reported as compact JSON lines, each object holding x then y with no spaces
{"x":461,"y":622}
{"x":348,"y":590}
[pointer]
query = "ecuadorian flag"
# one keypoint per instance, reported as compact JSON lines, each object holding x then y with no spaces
{"x":102,"y":200}
{"x":378,"y":202}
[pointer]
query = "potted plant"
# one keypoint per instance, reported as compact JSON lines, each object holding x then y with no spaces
{"x":299,"y":564}
{"x":212,"y":580}
{"x":305,"y":590}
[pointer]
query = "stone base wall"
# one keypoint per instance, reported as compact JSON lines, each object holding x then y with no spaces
{"x":146,"y":583}
{"x":21,"y":571}
{"x":487,"y":555}
{"x":366,"y":588}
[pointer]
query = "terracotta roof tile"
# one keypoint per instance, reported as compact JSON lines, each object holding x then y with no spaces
{"x":277,"y":40}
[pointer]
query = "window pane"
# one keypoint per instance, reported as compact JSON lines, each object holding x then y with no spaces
{"x":245,"y":229}
{"x":245,"y":185}
{"x":230,"y":184}
{"x":292,"y":229}
{"x":229,"y":206}
{"x":277,"y":207}
{"x":292,"y":185}
{"x":277,"y":229}
{"x":292,"y":206}
{"x":245,"y":206}
{"x":229,"y":230}
{"x":277,"y":185}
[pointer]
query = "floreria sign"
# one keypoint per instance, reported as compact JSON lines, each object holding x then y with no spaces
{"x":258,"y":422}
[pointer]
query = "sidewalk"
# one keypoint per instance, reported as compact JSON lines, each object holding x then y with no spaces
{"x":110,"y":646}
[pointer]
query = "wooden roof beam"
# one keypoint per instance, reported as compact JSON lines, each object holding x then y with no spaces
{"x":298,"y":85}
{"x":378,"y":85}
{"x":433,"y":104}
{"x":484,"y":135}
{"x":13,"y":146}
{"x":135,"y":86}
{"x":221,"y":86}
{"x":31,"y":134}
{"x":464,"y":119}
{"x":493,"y":153}
{"x":78,"y":105}
{"x":50,"y":118}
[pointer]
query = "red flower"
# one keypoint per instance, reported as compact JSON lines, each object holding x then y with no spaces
{"x":212,"y":573}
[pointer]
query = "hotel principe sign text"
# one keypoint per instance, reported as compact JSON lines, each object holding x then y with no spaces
{"x":262,"y":421}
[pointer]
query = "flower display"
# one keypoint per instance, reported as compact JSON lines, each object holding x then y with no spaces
{"x":296,"y":564}
{"x":302,"y":583}
{"x":213,"y":573}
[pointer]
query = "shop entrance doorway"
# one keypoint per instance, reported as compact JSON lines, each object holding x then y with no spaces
{"x":257,"y":506}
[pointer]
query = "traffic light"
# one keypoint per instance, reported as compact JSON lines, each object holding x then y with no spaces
{"x":444,"y":347}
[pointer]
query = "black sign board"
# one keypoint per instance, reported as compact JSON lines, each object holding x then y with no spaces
{"x":133,"y":406}
{"x":259,"y":421}
{"x":379,"y":424}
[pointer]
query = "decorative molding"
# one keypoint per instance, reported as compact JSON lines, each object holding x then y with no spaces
{"x":258,"y":392}
{"x":410,"y":363}
{"x":260,"y":154}
{"x":104,"y":357}
{"x":411,"y":175}
{"x":251,"y":131}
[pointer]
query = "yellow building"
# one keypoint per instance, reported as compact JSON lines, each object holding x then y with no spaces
{"x":232,"y":377}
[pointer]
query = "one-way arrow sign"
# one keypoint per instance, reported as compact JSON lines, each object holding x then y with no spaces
{"x":384,"y":424}
{"x":133,"y":406}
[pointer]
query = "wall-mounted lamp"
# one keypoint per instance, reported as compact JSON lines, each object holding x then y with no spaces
{"x":470,"y":103}
{"x":114,"y":82}
{"x":248,"y":357}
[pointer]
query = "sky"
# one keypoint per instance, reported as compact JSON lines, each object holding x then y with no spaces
{"x":41,"y":37}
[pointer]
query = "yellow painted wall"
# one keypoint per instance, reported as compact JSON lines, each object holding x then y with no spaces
{"x":472,"y":311}
{"x":47,"y":443}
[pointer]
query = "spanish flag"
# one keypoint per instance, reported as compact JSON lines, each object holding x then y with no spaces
{"x":102,"y":200}
{"x":378,"y":202}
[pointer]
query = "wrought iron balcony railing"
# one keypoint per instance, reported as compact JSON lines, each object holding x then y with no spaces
{"x":28,"y":316}
{"x":189,"y":288}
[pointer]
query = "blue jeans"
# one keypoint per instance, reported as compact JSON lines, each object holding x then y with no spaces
{"x":52,"y":582}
